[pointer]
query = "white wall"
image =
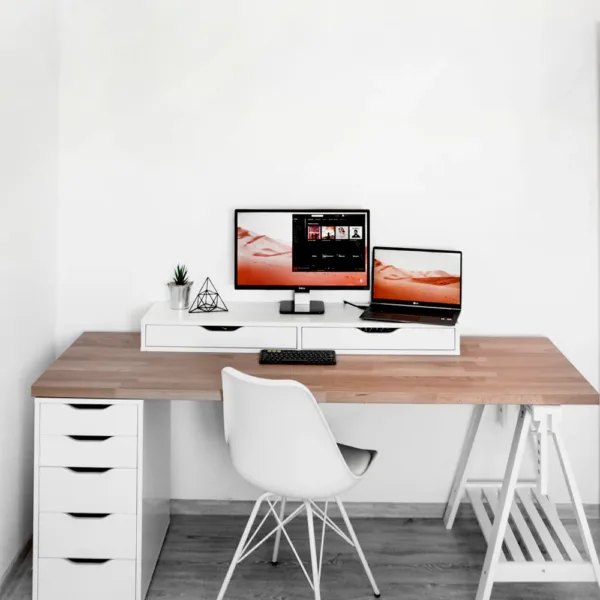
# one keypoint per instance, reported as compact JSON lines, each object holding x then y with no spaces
{"x":466,"y":124}
{"x":28,"y":223}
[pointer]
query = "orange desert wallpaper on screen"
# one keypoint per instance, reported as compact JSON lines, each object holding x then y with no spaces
{"x":394,"y":283}
{"x":263,"y":260}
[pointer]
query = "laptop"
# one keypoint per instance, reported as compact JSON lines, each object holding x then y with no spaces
{"x":410,"y":285}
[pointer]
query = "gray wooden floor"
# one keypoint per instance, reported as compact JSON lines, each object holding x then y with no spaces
{"x":411,"y":559}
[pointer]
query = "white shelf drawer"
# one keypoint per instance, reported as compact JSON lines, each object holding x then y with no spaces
{"x":185,"y":336}
{"x":81,"y":535}
{"x":88,"y":451}
{"x":60,"y":579}
{"x":88,"y":419}
{"x":105,"y":491}
{"x":409,"y":339}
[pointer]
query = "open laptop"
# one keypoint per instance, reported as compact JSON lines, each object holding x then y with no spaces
{"x":410,"y":285}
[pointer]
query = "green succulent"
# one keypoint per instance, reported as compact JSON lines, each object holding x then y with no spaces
{"x":180,"y":275}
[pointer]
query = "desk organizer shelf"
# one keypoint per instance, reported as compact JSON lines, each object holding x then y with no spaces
{"x":251,"y":326}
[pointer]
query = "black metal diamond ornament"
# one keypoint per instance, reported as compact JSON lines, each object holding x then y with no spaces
{"x":208,"y":299}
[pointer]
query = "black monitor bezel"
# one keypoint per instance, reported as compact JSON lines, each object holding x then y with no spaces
{"x":412,"y":302}
{"x":239,"y":286}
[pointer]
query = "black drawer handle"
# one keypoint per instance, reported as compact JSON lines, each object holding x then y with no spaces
{"x":90,"y":438}
{"x":89,"y":469}
{"x":90,"y":406}
{"x":377,"y":329}
{"x":220,"y":327}
{"x":88,"y":561}
{"x":89,"y":515}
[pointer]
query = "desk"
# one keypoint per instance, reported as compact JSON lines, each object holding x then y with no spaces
{"x":102,"y":434}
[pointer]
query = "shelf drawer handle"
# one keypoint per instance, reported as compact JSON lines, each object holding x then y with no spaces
{"x":220,"y":327}
{"x":89,"y":469}
{"x":90,"y":438}
{"x":377,"y":329}
{"x":89,"y":515}
{"x":90,"y":406}
{"x":88,"y":561}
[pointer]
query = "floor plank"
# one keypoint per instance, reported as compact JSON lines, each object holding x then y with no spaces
{"x":411,"y":559}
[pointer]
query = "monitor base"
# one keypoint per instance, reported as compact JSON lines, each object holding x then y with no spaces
{"x":289,"y":307}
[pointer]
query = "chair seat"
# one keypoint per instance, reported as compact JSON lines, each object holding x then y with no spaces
{"x":357,"y":459}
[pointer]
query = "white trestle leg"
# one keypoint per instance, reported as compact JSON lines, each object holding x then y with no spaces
{"x":492,"y":557}
{"x":460,"y":478}
{"x":582,"y":523}
{"x":538,"y":545}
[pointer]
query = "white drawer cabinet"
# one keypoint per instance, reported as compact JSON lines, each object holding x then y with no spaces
{"x":87,"y":491}
{"x":61,"y":579}
{"x":208,"y":337}
{"x":88,"y":451}
{"x":84,"y":535}
{"x":102,"y":468}
{"x":85,"y":418}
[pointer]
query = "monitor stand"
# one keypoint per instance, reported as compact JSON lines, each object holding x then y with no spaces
{"x":301,"y":305}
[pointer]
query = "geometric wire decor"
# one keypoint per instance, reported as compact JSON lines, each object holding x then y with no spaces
{"x":208,"y":299}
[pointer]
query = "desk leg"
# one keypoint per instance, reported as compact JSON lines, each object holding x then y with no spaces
{"x":582,"y":523}
{"x":492,"y":557}
{"x":460,"y":478}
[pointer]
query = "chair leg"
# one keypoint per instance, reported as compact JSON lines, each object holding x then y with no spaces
{"x":240,"y":547}
{"x":313,"y":551}
{"x":278,"y":534}
{"x":361,"y":555}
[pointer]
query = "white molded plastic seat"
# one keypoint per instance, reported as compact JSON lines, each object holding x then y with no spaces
{"x":280,"y":442}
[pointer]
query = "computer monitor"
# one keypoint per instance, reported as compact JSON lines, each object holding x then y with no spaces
{"x":302,"y":250}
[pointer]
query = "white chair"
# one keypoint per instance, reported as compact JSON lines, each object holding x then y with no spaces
{"x":280,"y":442}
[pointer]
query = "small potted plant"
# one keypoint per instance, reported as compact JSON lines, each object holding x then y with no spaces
{"x":179,"y":288}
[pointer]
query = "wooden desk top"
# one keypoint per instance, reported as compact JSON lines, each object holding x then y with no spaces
{"x":491,"y":370}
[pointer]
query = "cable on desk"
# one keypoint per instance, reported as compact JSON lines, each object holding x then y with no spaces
{"x":362,"y":307}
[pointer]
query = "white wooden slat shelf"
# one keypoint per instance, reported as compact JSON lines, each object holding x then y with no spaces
{"x":539,"y":547}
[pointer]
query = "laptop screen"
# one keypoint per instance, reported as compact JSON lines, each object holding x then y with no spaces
{"x":418,"y":277}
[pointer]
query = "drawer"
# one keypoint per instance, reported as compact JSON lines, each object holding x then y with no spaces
{"x":398,"y":338}
{"x":61,"y":579}
{"x":181,"y":336}
{"x":88,"y":451}
{"x":88,"y":419}
{"x":84,"y":535}
{"x":87,"y":491}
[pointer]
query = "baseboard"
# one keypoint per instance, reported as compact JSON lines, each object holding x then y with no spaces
{"x":381,"y":510}
{"x":13,"y":573}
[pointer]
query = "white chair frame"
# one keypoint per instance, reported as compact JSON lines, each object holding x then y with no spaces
{"x":245,"y":547}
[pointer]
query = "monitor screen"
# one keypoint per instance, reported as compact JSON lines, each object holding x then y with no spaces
{"x":428,"y":277}
{"x":289,"y":249}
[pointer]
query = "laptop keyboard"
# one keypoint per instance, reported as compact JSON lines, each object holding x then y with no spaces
{"x":409,"y":310}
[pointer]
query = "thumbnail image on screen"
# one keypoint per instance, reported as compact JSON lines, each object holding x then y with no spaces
{"x":417,"y":276}
{"x":296,"y":249}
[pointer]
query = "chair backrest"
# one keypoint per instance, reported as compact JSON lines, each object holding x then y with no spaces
{"x":279,"y":439}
